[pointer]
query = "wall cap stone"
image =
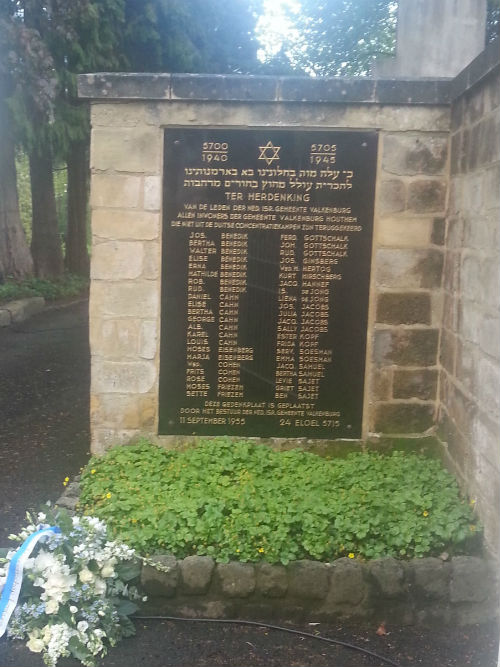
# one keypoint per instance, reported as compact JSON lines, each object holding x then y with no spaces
{"x":248,"y":88}
{"x":486,"y":62}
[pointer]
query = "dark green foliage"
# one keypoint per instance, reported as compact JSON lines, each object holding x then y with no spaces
{"x":59,"y":288}
{"x":241,"y":501}
{"x":191,"y":36}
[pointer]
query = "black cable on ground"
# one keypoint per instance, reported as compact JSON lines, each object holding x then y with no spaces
{"x":338,"y":642}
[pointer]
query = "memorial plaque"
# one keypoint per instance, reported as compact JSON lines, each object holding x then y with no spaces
{"x":267,"y":238}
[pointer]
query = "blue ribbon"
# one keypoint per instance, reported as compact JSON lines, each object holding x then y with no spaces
{"x":14,"y":580}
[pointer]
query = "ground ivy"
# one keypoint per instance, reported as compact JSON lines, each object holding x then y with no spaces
{"x":242,"y":501}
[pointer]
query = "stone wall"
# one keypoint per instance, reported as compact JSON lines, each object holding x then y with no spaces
{"x":423,"y":591}
{"x":129,"y":113}
{"x":470,"y":339}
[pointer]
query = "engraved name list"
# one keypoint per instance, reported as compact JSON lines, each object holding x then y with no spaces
{"x":267,"y":240}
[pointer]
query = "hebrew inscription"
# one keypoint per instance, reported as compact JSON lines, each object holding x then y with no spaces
{"x":267,"y":238}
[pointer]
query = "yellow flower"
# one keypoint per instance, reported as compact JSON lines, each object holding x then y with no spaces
{"x":472,"y":502}
{"x":133,"y":520}
{"x":351,"y":555}
{"x":108,"y":495}
{"x":425,"y":513}
{"x":66,"y":480}
{"x":261,"y":550}
{"x":92,"y":472}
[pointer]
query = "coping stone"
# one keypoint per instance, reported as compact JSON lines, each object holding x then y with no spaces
{"x":249,"y":88}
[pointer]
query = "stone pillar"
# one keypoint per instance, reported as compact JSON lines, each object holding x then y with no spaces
{"x":436,"y":38}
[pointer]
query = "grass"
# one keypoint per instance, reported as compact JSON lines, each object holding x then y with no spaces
{"x":60,"y":288}
{"x":241,"y":501}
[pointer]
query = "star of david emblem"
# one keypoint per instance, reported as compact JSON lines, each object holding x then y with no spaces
{"x":269,"y":152}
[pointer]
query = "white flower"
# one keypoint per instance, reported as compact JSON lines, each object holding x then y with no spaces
{"x":86,"y":576}
{"x":41,"y":516}
{"x":73,"y":609}
{"x":57,"y":584}
{"x":108,"y":569}
{"x":75,"y":520}
{"x":82,"y":626}
{"x":35,"y":644}
{"x":101,"y":612}
{"x":51,"y":606}
{"x":45,"y":561}
{"x":100,"y":586}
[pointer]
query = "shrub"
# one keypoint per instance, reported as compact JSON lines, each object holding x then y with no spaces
{"x":241,"y":501}
{"x":57,"y":288}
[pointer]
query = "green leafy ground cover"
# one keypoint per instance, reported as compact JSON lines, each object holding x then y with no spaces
{"x":58,"y":288}
{"x":241,"y":501}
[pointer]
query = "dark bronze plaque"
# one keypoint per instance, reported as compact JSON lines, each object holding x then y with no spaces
{"x":267,"y":238}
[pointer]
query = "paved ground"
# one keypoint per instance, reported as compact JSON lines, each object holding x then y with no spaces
{"x":44,"y":375}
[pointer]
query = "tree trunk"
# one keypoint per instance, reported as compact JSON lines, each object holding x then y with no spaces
{"x":15,"y":257}
{"x":77,"y":257}
{"x":45,"y":238}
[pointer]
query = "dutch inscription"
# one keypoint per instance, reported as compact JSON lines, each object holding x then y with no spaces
{"x":266,"y":265}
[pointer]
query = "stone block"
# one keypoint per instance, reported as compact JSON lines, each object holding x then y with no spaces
{"x":487,"y":389}
{"x":404,"y":308}
{"x":22,"y":309}
{"x":389,"y":577}
{"x":431,"y":578}
{"x":162,"y":580}
{"x":152,"y":261}
{"x":489,"y":336}
{"x":471,"y":580}
{"x":391,"y":197}
{"x":450,"y":312}
{"x":117,"y":260}
{"x":138,"y":299}
{"x":470,"y":276}
{"x":68,"y":502}
{"x":129,"y":149}
{"x":272,"y":580}
{"x":196,"y":574}
{"x":490,"y":278}
{"x":347,"y":584}
{"x":406,"y":347}
{"x":381,"y":386}
{"x":117,"y":338}
{"x":237,"y":580}
{"x":122,"y":377}
{"x":426,"y":196}
{"x":403,"y":232}
{"x":447,"y":352}
{"x":487,"y":147}
{"x":103,"y":439}
{"x":407,"y":268}
{"x":404,"y":417}
{"x":125,"y":225}
{"x":130,"y":411}
{"x":118,"y":115}
{"x":115,"y":191}
{"x":420,"y":383}
{"x":456,"y":153}
{"x":491,"y":198}
{"x":148,"y":341}
{"x":152,"y":193}
{"x":308,"y":579}
{"x":408,"y":155}
{"x":438,"y":231}
{"x":470,"y":320}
